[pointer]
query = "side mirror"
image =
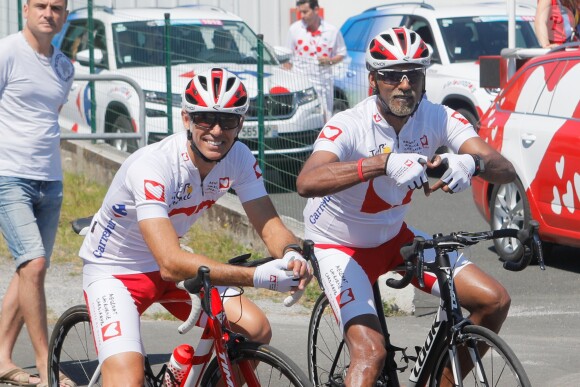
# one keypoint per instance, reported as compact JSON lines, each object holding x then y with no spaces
{"x":83,"y":56}
{"x":283,"y":54}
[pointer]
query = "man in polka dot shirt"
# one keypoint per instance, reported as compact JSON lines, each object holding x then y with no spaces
{"x":316,"y":46}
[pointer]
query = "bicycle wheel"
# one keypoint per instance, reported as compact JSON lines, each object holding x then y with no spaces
{"x":273,"y":368}
{"x":326,"y":346}
{"x":499,"y":364}
{"x":71,"y":349}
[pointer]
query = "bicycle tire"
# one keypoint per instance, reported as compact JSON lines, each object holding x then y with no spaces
{"x":500,"y":364}
{"x":274,"y":368}
{"x":71,"y":348}
{"x":324,"y":345}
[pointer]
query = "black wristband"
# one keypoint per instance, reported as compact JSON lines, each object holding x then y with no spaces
{"x":292,"y":246}
{"x":479,"y":166}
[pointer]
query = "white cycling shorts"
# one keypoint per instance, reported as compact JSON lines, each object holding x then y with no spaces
{"x":116,"y":302}
{"x":347,"y":273}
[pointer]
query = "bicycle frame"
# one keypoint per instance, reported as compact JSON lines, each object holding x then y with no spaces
{"x":217,"y":336}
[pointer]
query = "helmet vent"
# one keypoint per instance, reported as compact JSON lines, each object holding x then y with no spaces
{"x":230,"y":83}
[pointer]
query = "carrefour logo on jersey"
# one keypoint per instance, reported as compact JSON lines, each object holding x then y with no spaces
{"x":104,"y":238}
{"x":323,"y":204}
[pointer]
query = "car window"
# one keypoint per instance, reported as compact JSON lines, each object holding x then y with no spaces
{"x":355,"y":35}
{"x":467,"y":38}
{"x":76,"y":40}
{"x":421,"y":26}
{"x":142,"y":43}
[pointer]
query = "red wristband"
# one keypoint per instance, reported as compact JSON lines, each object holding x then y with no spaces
{"x":360,"y":171}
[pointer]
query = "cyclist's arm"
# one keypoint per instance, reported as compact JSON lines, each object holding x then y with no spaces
{"x":497,"y":168}
{"x":274,"y":233}
{"x":323,"y":174}
{"x":176,"y":264}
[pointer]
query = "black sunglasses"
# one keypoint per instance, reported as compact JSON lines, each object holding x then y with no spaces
{"x":394,"y":77}
{"x":207,"y":120}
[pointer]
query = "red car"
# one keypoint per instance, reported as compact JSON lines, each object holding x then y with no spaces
{"x":535,"y":123}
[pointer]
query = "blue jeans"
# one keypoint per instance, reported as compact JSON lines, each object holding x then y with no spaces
{"x":29,"y":214}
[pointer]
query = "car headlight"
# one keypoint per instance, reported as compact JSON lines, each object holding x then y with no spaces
{"x":161,"y":98}
{"x":305,"y":96}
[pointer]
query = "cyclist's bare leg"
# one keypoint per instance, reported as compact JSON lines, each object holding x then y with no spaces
{"x":486,"y":300}
{"x":123,"y":369}
{"x":366,"y":345}
{"x":247,"y":318}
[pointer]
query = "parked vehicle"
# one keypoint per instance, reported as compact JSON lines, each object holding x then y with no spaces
{"x":459,"y":34}
{"x":535,"y":123}
{"x":131,"y":42}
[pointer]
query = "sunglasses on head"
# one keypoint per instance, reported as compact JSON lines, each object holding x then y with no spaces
{"x":394,"y":77}
{"x":207,"y":120}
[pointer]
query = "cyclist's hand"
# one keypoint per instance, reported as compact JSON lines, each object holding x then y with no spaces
{"x":283,"y":275}
{"x":457,"y":177}
{"x":408,"y":170}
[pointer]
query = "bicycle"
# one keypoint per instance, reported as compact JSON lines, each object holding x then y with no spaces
{"x":72,"y":352}
{"x":493,"y":361}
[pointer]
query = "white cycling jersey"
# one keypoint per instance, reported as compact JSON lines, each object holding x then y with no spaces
{"x":371,"y":213}
{"x":160,"y":181}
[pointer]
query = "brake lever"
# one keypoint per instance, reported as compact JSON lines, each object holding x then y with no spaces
{"x":420,"y":268}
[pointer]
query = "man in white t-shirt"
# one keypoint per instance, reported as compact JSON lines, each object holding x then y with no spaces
{"x":366,"y":164}
{"x":316,"y":46}
{"x":132,"y":256}
{"x":35,"y":79}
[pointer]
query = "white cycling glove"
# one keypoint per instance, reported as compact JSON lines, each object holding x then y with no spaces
{"x":407,"y":169}
{"x":459,"y":171}
{"x":275,"y":275}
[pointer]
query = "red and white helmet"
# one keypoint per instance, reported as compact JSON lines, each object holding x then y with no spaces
{"x":396,"y":46}
{"x":215,"y":90}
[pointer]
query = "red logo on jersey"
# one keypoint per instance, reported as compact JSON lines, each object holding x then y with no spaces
{"x":111,"y":330}
{"x":193,"y":209}
{"x":373,"y":203}
{"x":377,"y":117}
{"x":345,"y":297}
{"x":330,"y":132}
{"x":424,"y":141}
{"x":185,"y":156}
{"x":460,"y":118}
{"x":257,"y":170}
{"x":225,"y":183}
{"x":154,"y":191}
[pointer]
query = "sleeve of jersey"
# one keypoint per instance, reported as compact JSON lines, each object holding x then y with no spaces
{"x":248,"y":184}
{"x":458,"y":129}
{"x":148,"y":184}
{"x":340,"y":46}
{"x":335,"y":138}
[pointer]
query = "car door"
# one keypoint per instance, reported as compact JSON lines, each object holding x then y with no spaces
{"x":557,"y":116}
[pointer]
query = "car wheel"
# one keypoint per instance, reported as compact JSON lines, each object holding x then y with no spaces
{"x":122,"y":124}
{"x":469,"y":116}
{"x":509,"y":209}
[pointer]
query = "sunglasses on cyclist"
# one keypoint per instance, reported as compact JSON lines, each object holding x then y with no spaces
{"x":395,"y":77}
{"x":207,"y":120}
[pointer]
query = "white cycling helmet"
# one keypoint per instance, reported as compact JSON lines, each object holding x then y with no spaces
{"x":215,"y":90}
{"x":396,"y":46}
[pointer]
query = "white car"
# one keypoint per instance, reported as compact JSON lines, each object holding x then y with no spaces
{"x":130,"y":42}
{"x":459,"y":34}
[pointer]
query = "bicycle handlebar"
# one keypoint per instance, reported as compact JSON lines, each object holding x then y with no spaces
{"x":413,"y":254}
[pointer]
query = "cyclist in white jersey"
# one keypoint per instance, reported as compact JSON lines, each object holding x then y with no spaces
{"x":366,"y":164}
{"x":132,"y":255}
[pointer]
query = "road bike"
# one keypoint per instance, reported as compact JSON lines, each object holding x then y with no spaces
{"x":237,"y":361}
{"x":492,"y":361}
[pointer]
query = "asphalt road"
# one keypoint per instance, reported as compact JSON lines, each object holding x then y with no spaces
{"x":543,"y":326}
